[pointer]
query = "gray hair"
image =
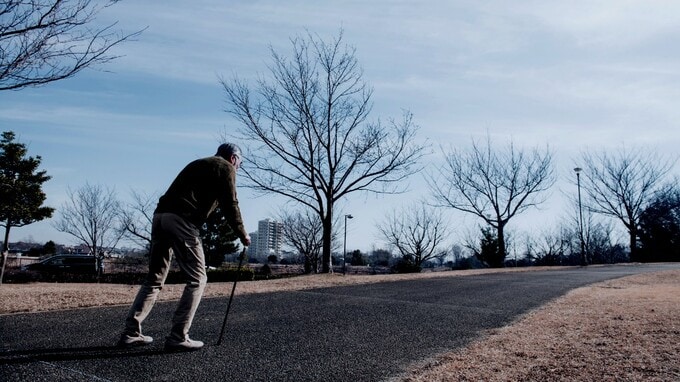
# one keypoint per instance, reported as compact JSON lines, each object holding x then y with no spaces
{"x":226,"y":150}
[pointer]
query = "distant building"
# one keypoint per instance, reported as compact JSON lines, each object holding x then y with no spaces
{"x":252,"y":250}
{"x":269,"y":238}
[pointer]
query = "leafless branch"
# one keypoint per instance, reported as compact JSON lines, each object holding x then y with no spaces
{"x":416,"y":231}
{"x":620,"y":184}
{"x":42,"y":41}
{"x":307,"y":131}
{"x":493,"y":184}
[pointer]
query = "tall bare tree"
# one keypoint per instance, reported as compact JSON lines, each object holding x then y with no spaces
{"x":42,"y":41}
{"x":417,"y":232}
{"x":495,"y":184}
{"x":90,"y":215}
{"x":309,"y":136}
{"x":621,"y":184}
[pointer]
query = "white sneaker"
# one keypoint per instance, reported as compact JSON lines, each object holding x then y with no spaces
{"x":127,"y":341}
{"x":172,"y":344}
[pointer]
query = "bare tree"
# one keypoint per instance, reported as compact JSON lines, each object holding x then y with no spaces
{"x":495,"y":185}
{"x":304,"y":232}
{"x":597,"y":236}
{"x":90,"y":215}
{"x":42,"y":41}
{"x":417,"y":232}
{"x":309,"y":135}
{"x":551,"y":247}
{"x":136,"y":218}
{"x":622,"y":184}
{"x":457,"y":254}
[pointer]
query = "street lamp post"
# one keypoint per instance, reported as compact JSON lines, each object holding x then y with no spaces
{"x":344,"y":246}
{"x":584,"y":260}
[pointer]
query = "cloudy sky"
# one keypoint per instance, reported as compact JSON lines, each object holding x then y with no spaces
{"x":572,"y":75}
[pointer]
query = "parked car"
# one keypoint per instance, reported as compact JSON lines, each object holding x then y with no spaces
{"x":65,"y":264}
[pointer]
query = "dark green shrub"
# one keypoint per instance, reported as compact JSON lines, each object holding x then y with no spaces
{"x":265,"y":270}
{"x":406,"y":265}
{"x":231,"y":273}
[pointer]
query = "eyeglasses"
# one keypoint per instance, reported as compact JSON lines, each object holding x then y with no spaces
{"x":238,"y":159}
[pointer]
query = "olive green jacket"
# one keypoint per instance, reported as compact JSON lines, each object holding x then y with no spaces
{"x":199,"y":188}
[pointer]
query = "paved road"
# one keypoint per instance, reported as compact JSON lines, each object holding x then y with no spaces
{"x":354,"y":333}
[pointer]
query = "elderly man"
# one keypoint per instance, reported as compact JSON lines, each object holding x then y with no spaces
{"x":198,"y":189}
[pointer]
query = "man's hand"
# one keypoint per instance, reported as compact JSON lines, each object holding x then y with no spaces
{"x":246,"y":241}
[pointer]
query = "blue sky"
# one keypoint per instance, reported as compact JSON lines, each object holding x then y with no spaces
{"x":574,"y":75}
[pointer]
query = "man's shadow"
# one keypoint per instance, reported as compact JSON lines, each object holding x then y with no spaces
{"x":74,"y":354}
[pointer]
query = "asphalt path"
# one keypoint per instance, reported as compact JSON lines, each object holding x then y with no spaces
{"x":352,"y":333}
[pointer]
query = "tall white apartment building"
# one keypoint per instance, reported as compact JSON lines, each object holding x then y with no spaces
{"x":269,"y":238}
{"x":252,"y":250}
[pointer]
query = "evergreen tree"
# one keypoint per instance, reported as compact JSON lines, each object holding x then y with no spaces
{"x":218,"y":239}
{"x":659,"y":229}
{"x":489,"y":252}
{"x":50,"y":248}
{"x":21,"y":195}
{"x":357,"y":258}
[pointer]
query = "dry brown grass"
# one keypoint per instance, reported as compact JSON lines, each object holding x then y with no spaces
{"x":620,"y":330}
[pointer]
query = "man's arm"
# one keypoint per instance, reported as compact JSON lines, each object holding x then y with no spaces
{"x":230,"y":207}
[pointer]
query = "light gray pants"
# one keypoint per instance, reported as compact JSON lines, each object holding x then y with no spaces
{"x":170,"y":234}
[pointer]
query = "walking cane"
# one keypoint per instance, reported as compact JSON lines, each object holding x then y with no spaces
{"x":238,"y":274}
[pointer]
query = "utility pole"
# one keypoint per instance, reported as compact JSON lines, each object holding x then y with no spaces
{"x":344,"y":246}
{"x":584,"y":259}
